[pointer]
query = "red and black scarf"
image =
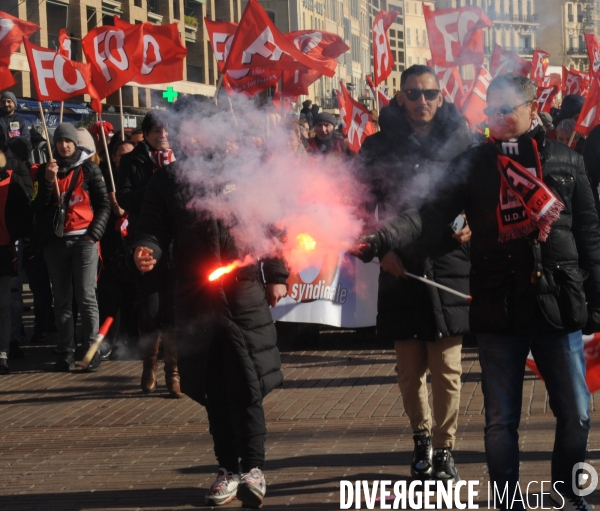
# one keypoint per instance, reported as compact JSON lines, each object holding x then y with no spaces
{"x":526,"y":203}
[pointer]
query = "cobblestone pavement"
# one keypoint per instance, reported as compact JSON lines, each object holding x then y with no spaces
{"x":92,"y":441}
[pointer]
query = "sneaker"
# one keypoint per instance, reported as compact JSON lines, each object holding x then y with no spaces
{"x":443,"y":466}
{"x":15,"y":351}
{"x":224,"y":489}
{"x":65,"y":363}
{"x":422,"y":463}
{"x":94,"y":366}
{"x":4,"y":365}
{"x":568,"y":502}
{"x":105,"y":351}
{"x":252,"y":489}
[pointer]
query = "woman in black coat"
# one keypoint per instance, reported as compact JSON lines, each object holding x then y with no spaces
{"x":226,"y":340}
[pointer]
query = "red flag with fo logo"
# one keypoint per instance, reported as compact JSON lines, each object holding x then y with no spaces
{"x":357,"y":120}
{"x":506,"y":61}
{"x":383,"y":58}
{"x":456,"y":35}
{"x":474,"y":105}
{"x":540,"y":63}
{"x":56,"y":78}
{"x":319,"y":45}
{"x":163,"y":52}
{"x":589,"y":117}
{"x":546,"y":97}
{"x":12,"y":31}
{"x":246,"y":81}
{"x":64,"y":42}
{"x":451,"y":84}
{"x":381,"y":97}
{"x":258,"y":43}
{"x":593,"y":48}
{"x":574,"y":82}
{"x":116,"y":56}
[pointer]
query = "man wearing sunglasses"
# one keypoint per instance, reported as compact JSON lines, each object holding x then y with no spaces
{"x":535,"y":240}
{"x":403,"y":165}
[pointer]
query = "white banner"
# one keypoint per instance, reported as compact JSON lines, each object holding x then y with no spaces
{"x":340,"y":293}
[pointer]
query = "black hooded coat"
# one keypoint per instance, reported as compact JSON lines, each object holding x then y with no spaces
{"x":402,"y":170}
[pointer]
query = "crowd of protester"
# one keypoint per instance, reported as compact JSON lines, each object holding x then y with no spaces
{"x":118,"y":245}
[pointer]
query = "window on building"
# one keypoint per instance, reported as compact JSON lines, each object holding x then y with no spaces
{"x":271,"y":15}
{"x":408,"y":42}
{"x":529,"y":9}
{"x":417,"y":36}
{"x":425,"y":37}
{"x":409,"y":61}
{"x":355,"y":9}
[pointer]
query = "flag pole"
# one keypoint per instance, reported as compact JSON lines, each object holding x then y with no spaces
{"x":62,"y":107}
{"x":219,"y":83}
{"x":110,"y":172}
{"x":571,"y":139}
{"x":55,"y":182}
{"x":377,"y":105}
{"x":122,"y":123}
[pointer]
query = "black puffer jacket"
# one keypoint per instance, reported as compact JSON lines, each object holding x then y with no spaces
{"x":232,"y":309}
{"x":402,"y":170}
{"x":7,"y":121}
{"x":135,"y":170}
{"x":591,"y":157}
{"x":17,"y":213}
{"x":93,"y":184}
{"x":511,"y":282}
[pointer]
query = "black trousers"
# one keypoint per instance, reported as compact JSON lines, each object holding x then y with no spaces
{"x":238,"y":429}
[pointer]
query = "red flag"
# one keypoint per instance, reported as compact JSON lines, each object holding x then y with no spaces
{"x":258,"y":43}
{"x":546,"y":97}
{"x":246,"y":81}
{"x":506,"y":61}
{"x":456,"y":35}
{"x":64,"y":42}
{"x":589,"y":117}
{"x":12,"y":31}
{"x":593,"y":48}
{"x":540,"y":63}
{"x":383,"y":99}
{"x":284,"y":103}
{"x":342,"y":108}
{"x":358,"y":120}
{"x":574,"y":82}
{"x":55,"y":77}
{"x":163,"y":52}
{"x":591,"y":352}
{"x":451,"y":84}
{"x":474,"y":105}
{"x":383,"y":58}
{"x":115,"y":56}
{"x":319,"y":45}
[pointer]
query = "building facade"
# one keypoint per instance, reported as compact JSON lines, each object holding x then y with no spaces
{"x":417,"y":43}
{"x":81,"y":16}
{"x":563,"y":24}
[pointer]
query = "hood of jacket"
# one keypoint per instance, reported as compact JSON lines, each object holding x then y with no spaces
{"x":81,"y":154}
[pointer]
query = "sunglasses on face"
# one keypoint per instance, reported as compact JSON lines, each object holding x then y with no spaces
{"x":415,"y":94}
{"x":503,"y":110}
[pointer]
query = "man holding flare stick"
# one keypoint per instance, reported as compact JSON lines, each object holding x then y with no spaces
{"x":535,"y":276}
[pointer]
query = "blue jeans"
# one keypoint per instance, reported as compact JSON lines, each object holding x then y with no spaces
{"x":73,"y":265}
{"x":559,"y":357}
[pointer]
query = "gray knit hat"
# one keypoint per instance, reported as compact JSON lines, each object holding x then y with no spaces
{"x":324,"y":117}
{"x":9,"y":95}
{"x":68,"y":131}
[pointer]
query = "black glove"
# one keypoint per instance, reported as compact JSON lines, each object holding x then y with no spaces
{"x":367,"y":247}
{"x":593,"y":323}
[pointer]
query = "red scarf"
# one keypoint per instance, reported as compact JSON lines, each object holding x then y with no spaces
{"x":162,"y":158}
{"x":526,"y":203}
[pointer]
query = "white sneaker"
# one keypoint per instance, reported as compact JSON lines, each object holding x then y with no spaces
{"x":252,"y":489}
{"x":224,"y":489}
{"x":568,"y":502}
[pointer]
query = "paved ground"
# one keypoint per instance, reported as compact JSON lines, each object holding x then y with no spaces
{"x":93,"y":442}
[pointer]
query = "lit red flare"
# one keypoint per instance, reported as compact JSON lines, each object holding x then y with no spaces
{"x":306,"y":242}
{"x":224,"y":270}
